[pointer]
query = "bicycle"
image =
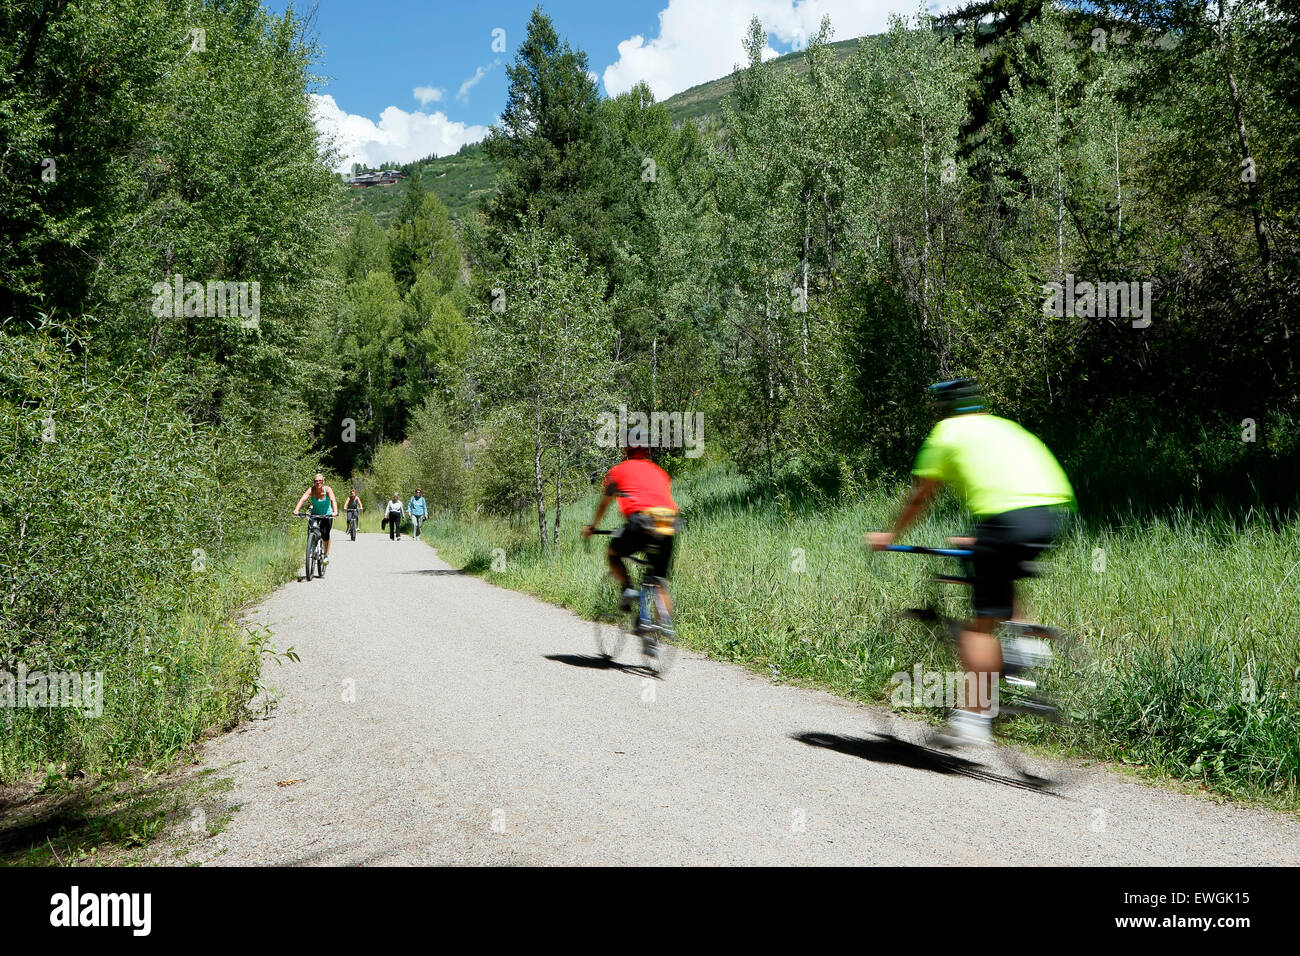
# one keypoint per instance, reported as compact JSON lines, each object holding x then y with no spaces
{"x":315,"y":560}
{"x":648,"y":619}
{"x":352,"y":525}
{"x":1024,"y":664}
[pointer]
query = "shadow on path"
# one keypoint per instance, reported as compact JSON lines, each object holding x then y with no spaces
{"x":597,"y":663}
{"x":885,"y":748}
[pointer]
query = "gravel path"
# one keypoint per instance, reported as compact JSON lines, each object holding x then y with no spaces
{"x":479,"y":732}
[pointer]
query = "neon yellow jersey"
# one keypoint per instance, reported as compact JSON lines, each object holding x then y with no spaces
{"x":996,"y":465}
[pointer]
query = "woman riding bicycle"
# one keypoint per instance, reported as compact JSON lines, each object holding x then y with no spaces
{"x":324,"y":507}
{"x":353,"y":507}
{"x":1018,"y":496}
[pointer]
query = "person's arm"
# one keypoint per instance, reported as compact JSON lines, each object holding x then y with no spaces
{"x":334,"y":502}
{"x":601,"y":507}
{"x":923,"y":491}
{"x":301,"y":501}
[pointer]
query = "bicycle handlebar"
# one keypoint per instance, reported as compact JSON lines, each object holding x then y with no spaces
{"x":310,"y":515}
{"x":937,"y":552}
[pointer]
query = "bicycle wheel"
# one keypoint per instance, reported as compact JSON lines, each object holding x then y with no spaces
{"x":608,"y":624}
{"x":320,"y":560}
{"x":660,"y":651}
{"x":311,"y":550}
{"x":352,"y":530}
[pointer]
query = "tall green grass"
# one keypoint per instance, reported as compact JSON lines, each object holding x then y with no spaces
{"x":1191,"y":665}
{"x":194,"y":669}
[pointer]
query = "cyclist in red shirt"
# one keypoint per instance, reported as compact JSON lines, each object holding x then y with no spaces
{"x":644,"y":493}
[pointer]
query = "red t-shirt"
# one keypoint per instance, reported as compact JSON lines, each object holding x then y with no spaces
{"x":640,"y":484}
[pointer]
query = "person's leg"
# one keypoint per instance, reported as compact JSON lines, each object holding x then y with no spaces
{"x":661,"y":557}
{"x":618,"y":569}
{"x":992,"y":567}
{"x":981,"y":656}
{"x":325,"y":532}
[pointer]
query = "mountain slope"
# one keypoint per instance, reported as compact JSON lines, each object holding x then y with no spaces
{"x":461,"y":180}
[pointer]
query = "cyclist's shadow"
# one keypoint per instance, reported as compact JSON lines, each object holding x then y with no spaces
{"x":597,"y":663}
{"x":884,"y":747}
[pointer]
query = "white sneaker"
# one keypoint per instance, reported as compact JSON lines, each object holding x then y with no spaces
{"x":966,"y":729}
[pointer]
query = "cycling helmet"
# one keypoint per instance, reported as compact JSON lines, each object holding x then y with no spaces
{"x":636,"y":445}
{"x":957,"y":396}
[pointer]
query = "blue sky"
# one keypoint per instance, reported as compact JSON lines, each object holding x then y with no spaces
{"x":427,"y":76}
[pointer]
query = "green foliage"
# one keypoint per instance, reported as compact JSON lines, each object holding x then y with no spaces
{"x":547,"y":141}
{"x":462,"y":182}
{"x":542,"y":349}
{"x":148,"y":450}
{"x":124,"y":541}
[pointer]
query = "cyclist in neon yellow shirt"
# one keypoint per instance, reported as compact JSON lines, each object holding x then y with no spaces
{"x":1018,"y":497}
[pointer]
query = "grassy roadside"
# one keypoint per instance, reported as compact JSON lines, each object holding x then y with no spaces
{"x":1190,"y":672}
{"x":121,"y":782}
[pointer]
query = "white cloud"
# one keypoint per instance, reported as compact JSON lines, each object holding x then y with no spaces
{"x":482,"y":71}
{"x":398,"y":137}
{"x":428,"y":94}
{"x":700,"y":41}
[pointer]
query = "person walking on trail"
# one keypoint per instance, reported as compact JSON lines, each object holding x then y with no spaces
{"x":418,"y":509}
{"x":393,"y":518}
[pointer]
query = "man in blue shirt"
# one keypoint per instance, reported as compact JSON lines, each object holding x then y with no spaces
{"x":418,"y":510}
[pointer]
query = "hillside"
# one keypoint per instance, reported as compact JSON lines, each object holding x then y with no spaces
{"x":705,"y":101}
{"x":458,"y":180}
{"x":461,"y":180}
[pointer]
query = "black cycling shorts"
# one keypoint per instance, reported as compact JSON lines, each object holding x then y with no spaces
{"x":638,"y":535}
{"x":324,"y":524}
{"x":1004,"y":545}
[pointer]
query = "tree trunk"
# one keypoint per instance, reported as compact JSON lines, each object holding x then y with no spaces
{"x":1252,"y":188}
{"x":559,"y":482}
{"x":537,"y":472}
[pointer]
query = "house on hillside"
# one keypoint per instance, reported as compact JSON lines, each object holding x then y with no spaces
{"x":384,"y":177}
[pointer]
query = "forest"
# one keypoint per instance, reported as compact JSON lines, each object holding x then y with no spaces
{"x":1090,"y":208}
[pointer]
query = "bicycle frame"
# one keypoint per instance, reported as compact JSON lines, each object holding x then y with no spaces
{"x":648,"y":615}
{"x":315,"y":541}
{"x":1021,"y":703}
